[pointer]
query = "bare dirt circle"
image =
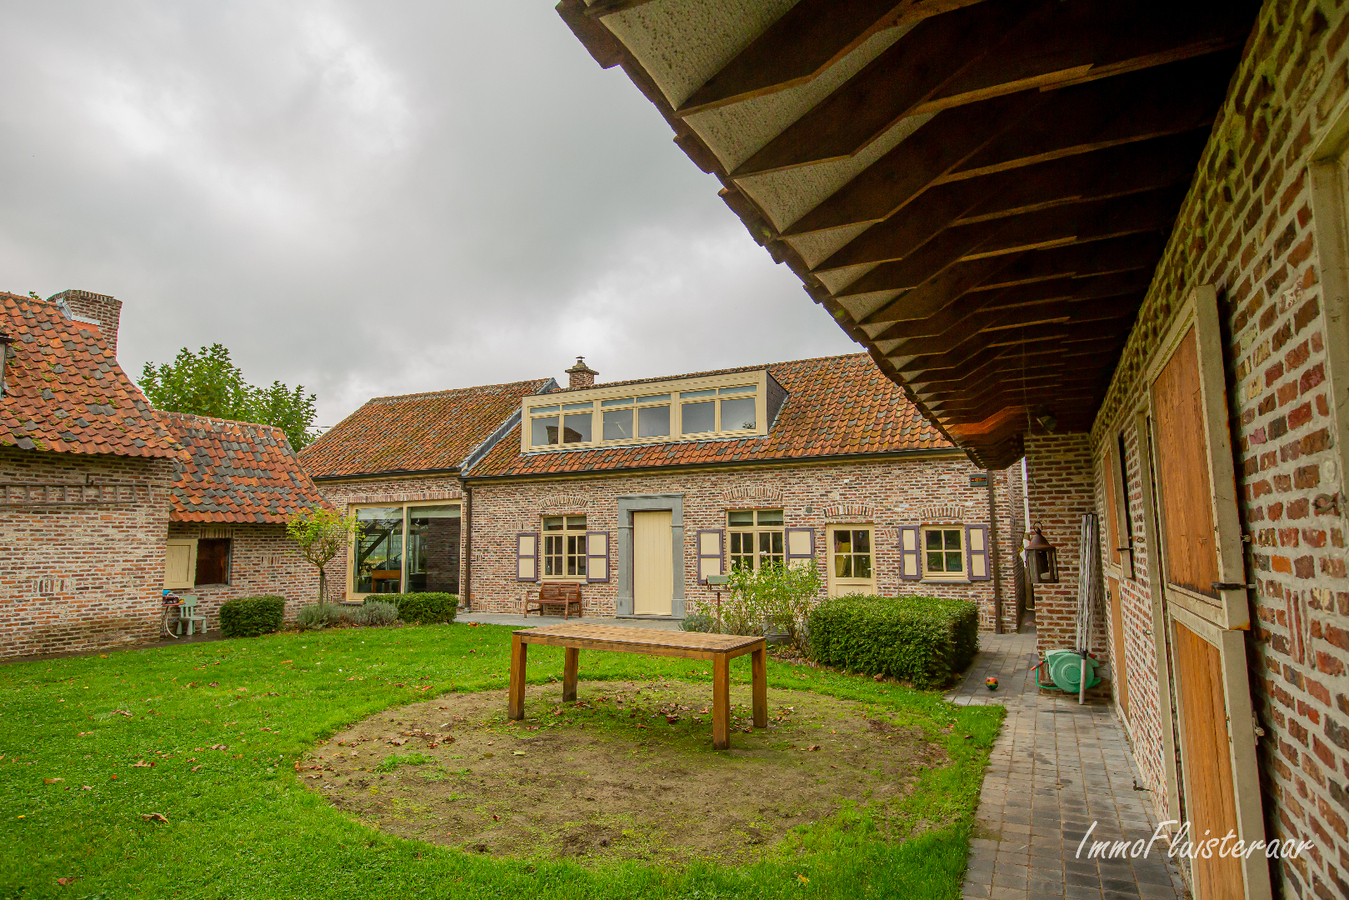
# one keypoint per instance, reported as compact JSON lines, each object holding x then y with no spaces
{"x":626,"y":772}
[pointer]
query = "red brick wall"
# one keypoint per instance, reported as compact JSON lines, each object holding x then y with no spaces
{"x":408,"y":489}
{"x":263,"y":560}
{"x":886,"y":494}
{"x":1247,"y":227}
{"x":81,"y":576}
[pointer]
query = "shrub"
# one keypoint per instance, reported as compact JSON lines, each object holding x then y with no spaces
{"x":251,"y":616}
{"x":698,"y":621}
{"x":777,"y":595}
{"x":318,"y":615}
{"x":376,"y":613}
{"x":423,"y":608}
{"x":922,"y":640}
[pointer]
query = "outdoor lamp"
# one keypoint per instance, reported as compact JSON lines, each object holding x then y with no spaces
{"x":1043,"y":559}
{"x":5,"y":341}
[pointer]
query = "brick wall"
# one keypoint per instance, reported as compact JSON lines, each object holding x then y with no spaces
{"x":1247,"y":227}
{"x":81,"y":575}
{"x":887,"y":494}
{"x":263,"y":560}
{"x":406,"y":489}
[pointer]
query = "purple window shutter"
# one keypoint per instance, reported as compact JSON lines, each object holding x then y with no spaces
{"x":527,"y":556}
{"x":597,"y":556}
{"x":800,"y":544}
{"x":711,"y":551}
{"x":910,"y":553}
{"x":976,"y":542}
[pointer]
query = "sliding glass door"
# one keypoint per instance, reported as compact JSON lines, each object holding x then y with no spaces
{"x":405,"y":549}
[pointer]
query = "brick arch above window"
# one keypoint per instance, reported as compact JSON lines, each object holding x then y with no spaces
{"x":562,"y":504}
{"x":752,"y":495}
{"x":849,"y":512}
{"x":942,"y":514}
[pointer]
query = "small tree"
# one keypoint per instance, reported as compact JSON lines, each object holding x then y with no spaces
{"x":322,"y":533}
{"x":776,"y":594}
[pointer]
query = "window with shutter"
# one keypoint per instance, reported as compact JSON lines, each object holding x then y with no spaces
{"x":910,"y":554}
{"x":710,"y":554}
{"x":597,"y":556}
{"x":527,"y":556}
{"x":976,"y":539}
{"x":180,"y":563}
{"x":800,"y":546}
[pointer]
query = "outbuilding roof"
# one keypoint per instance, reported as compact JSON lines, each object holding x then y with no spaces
{"x":416,"y":432}
{"x":837,"y":406}
{"x":235,"y":472}
{"x":64,"y":391}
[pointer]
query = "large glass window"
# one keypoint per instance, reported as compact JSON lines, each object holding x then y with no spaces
{"x":564,"y":546}
{"x":943,"y":552}
{"x":406,"y":548}
{"x":543,"y":426}
{"x":653,"y":416}
{"x":756,"y":538}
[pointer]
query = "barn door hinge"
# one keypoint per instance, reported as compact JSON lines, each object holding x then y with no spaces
{"x":1232,"y":586}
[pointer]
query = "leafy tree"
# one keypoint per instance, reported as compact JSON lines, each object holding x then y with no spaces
{"x":208,"y":383}
{"x":321,"y":534}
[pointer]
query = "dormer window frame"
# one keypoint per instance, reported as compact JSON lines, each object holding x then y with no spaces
{"x":543,"y":417}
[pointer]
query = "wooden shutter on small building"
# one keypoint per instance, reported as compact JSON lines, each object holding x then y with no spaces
{"x":976,"y":539}
{"x":800,"y":546}
{"x":711,"y":553}
{"x":527,"y":556}
{"x":180,"y":563}
{"x":597,"y":556}
{"x":910,"y":553}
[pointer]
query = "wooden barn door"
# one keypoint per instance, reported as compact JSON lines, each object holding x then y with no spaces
{"x":1203,"y":583}
{"x":652,"y":563}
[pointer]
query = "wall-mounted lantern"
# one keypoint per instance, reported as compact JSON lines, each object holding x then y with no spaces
{"x":5,"y":341}
{"x":1042,"y":559}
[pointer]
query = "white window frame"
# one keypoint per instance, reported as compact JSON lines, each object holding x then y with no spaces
{"x":757,"y":555}
{"x":839,"y":587}
{"x":647,"y":395}
{"x":567,"y":555}
{"x":403,"y":555}
{"x":960,"y":529}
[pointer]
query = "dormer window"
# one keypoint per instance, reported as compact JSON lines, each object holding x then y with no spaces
{"x":698,"y":408}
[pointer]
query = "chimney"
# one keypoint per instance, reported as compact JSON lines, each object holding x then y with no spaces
{"x":103,"y":309}
{"x":581,"y":375}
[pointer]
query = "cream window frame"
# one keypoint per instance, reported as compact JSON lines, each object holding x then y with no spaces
{"x":531,"y":407}
{"x":755,"y":530}
{"x":840,"y":587}
{"x":403,"y":555}
{"x":959,"y":577}
{"x":566,"y":555}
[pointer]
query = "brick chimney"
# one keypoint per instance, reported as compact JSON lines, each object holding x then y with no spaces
{"x":102,"y":308}
{"x":581,"y":375}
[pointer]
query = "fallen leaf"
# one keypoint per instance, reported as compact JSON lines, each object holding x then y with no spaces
{"x":52,"y":780}
{"x":64,"y":882}
{"x":811,"y":747}
{"x":517,"y":753}
{"x":195,"y":768}
{"x":877,"y":677}
{"x":672,"y":719}
{"x":154,"y":817}
{"x":803,"y":879}
{"x":87,"y":788}
{"x":496,"y":818}
{"x":142,"y":765}
{"x":214,"y":684}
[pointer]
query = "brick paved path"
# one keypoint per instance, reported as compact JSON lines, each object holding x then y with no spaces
{"x":1055,"y":768}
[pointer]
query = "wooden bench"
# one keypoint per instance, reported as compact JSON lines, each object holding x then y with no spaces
{"x":719,"y":648}
{"x":565,"y":594}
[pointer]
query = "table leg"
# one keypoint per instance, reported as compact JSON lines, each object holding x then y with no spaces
{"x":721,"y":702}
{"x":569,"y":667}
{"x":519,"y":656}
{"x":759,"y":658}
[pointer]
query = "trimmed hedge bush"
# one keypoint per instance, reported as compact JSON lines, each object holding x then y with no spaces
{"x":923,"y":640}
{"x":251,"y":616}
{"x":424,"y":608}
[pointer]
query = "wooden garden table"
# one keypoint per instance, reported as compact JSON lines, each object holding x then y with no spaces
{"x":719,"y":648}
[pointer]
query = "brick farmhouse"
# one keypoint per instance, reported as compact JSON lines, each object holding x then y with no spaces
{"x":1112,"y":239}
{"x":639,"y":491}
{"x":104,"y":498}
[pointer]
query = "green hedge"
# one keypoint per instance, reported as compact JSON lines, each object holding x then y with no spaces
{"x":923,"y":640}
{"x":424,"y":608}
{"x":250,"y":616}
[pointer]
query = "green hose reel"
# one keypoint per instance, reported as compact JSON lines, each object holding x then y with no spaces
{"x":1065,"y":671}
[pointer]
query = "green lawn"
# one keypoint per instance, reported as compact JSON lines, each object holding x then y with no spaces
{"x":88,"y":745}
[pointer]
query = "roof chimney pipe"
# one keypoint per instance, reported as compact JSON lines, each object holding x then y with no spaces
{"x":581,"y":375}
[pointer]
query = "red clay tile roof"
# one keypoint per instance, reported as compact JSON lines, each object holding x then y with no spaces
{"x":415,"y":432}
{"x":235,"y":472}
{"x":836,"y":406}
{"x":64,"y":391}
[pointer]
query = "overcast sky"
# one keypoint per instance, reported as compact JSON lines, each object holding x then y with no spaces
{"x":372,"y":198}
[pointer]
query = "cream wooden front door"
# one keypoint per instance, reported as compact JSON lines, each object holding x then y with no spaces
{"x":652,"y":563}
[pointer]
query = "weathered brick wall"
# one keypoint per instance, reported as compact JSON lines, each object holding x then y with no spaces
{"x":407,"y":489}
{"x":263,"y":560}
{"x":1247,"y":227}
{"x":1060,"y":487}
{"x":886,"y":494}
{"x":81,"y":575}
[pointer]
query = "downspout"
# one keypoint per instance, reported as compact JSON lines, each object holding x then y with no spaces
{"x":466,"y":589}
{"x":993,"y":553}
